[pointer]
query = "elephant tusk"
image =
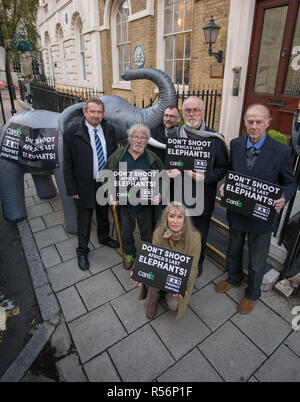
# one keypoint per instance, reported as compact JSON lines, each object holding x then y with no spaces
{"x":156,"y":144}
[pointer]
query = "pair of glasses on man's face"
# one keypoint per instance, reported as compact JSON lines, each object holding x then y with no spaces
{"x":194,"y":110}
{"x":142,"y":139}
{"x":170,"y":116}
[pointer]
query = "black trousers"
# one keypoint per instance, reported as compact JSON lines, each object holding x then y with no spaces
{"x":84,"y":221}
{"x":127,"y":226}
{"x":258,"y":246}
{"x":202,"y":223}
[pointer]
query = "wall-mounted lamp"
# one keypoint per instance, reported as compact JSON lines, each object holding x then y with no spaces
{"x":211,"y":31}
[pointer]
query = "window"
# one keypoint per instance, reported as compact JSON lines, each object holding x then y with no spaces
{"x":122,"y":42}
{"x":62,"y":53}
{"x":35,"y":67}
{"x":49,"y":60}
{"x":16,"y":66}
{"x":81,"y":55}
{"x":177,"y":39}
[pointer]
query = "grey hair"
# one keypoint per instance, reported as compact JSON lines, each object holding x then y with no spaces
{"x":138,"y":126}
{"x":194,"y":97}
{"x":93,"y":100}
{"x":269,"y":117}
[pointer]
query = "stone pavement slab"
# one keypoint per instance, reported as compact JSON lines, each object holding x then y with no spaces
{"x":96,"y":331}
{"x":193,"y":367}
{"x":66,"y":274}
{"x":293,"y":342}
{"x":71,"y":303}
{"x":103,"y":258}
{"x":50,"y":236}
{"x":141,"y":356}
{"x":283,"y":366}
{"x":99,"y":289}
{"x":265,"y":328}
{"x":101,"y":369}
{"x":232,"y":354}
{"x":180,"y":336}
{"x":131,"y":311}
{"x":213,"y":308}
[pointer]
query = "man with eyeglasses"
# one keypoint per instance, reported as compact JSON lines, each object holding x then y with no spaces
{"x":88,"y":142}
{"x":137,"y":156}
{"x":194,"y":128}
{"x":171,"y":119}
{"x":256,"y":155}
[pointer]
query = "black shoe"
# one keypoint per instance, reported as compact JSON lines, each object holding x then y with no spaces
{"x":83,"y":262}
{"x":110,"y":242}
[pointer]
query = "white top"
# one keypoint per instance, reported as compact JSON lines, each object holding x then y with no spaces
{"x":93,"y":145}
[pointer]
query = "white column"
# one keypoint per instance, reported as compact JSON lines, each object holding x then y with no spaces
{"x":237,"y":55}
{"x":96,"y":45}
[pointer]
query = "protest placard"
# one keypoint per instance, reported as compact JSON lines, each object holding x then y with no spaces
{"x":162,"y":268}
{"x":142,"y":185}
{"x":251,"y":196}
{"x":32,"y":147}
{"x":189,"y":154}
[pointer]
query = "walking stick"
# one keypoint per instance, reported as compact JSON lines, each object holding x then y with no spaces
{"x":114,"y":210}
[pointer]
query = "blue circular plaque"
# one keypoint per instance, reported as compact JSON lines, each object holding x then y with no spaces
{"x":139,"y":56}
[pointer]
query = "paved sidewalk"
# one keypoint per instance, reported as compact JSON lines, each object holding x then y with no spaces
{"x":114,"y":341}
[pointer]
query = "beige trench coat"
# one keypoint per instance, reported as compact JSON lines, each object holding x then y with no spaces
{"x":179,"y":247}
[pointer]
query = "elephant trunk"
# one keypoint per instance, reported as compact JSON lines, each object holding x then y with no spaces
{"x":152,"y":116}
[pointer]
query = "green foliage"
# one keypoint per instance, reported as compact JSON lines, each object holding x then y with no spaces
{"x":276,"y":135}
{"x":17,"y":18}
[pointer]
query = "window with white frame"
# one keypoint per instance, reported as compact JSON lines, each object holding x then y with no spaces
{"x":62,"y":53}
{"x":81,"y":54}
{"x":49,"y":60}
{"x":178,"y":19}
{"x":122,"y":41}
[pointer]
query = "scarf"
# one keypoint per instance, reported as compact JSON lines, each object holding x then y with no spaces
{"x":185,"y":130}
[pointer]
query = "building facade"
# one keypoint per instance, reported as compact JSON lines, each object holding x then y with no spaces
{"x":89,"y":43}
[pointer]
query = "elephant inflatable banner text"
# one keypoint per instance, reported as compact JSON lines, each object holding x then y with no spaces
{"x":31,"y":147}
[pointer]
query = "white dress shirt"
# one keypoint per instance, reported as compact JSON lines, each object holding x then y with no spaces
{"x":93,"y":145}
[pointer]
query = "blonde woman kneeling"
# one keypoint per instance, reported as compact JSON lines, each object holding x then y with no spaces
{"x":174,"y":232}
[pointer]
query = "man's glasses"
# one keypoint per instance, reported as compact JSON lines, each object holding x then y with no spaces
{"x":142,"y":139}
{"x":196,"y":110}
{"x":170,"y":116}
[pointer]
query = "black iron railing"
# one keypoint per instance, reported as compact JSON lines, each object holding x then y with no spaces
{"x":47,"y":97}
{"x":212,"y":102}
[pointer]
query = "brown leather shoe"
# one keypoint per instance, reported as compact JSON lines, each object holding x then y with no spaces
{"x":246,"y":306}
{"x":151,"y":310}
{"x":223,"y":286}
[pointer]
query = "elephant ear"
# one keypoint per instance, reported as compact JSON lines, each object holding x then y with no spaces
{"x":70,"y":116}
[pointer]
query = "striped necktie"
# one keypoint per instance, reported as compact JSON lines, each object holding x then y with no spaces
{"x":100,"y":154}
{"x":252,"y":154}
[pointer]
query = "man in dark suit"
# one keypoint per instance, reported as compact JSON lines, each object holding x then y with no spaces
{"x":88,"y":143}
{"x":194,"y":128}
{"x":171,"y":118}
{"x":259,"y":156}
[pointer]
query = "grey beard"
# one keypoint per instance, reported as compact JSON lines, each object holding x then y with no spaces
{"x":193,"y":125}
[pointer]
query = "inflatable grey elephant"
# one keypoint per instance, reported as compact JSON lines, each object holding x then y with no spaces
{"x":46,"y":130}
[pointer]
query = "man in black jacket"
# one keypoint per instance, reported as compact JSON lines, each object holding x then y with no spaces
{"x":171,"y":119}
{"x":194,"y":128}
{"x":261,"y":157}
{"x":88,"y":142}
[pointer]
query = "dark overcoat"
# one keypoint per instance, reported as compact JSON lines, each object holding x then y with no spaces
{"x":274,"y":165}
{"x":78,"y":160}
